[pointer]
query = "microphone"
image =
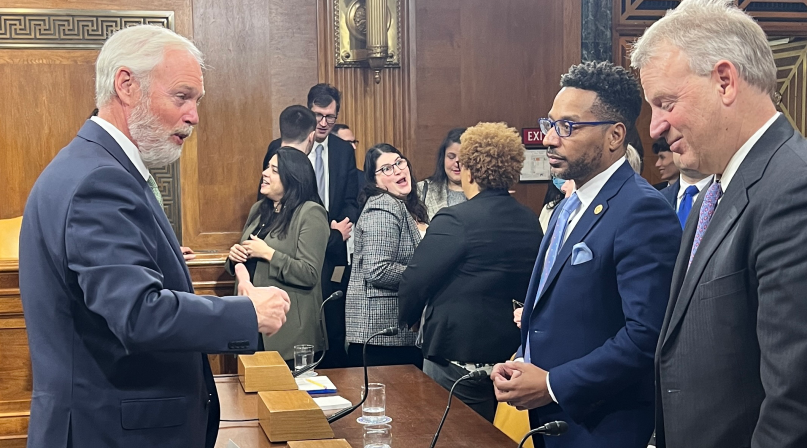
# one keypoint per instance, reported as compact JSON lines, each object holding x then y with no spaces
{"x":392,"y":331}
{"x":555,"y":428}
{"x":475,"y":375}
{"x":335,"y":296}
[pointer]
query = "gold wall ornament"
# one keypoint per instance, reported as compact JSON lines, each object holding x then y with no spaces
{"x":367,"y":34}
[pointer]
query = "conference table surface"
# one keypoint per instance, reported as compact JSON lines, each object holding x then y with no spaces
{"x":414,"y":402}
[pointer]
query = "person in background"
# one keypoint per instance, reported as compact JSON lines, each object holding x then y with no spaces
{"x":596,"y":300}
{"x":633,"y":158}
{"x":474,"y":262}
{"x":345,"y":133}
{"x":334,"y":162}
{"x":731,"y":362}
{"x":556,"y":191}
{"x":683,"y":194}
{"x":283,"y":244}
{"x":387,"y":233}
{"x":117,"y":338}
{"x":443,"y":188}
{"x":665,"y":164}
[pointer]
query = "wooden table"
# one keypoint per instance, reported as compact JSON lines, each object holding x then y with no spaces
{"x":414,"y":401}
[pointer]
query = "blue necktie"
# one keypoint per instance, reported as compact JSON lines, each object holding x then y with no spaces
{"x":686,"y":204}
{"x":552,"y":253}
{"x":319,"y":169}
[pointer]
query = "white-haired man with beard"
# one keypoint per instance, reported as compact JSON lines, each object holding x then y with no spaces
{"x":116,"y":335}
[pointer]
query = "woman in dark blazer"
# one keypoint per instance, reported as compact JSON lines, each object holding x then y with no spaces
{"x":283,"y":244}
{"x":386,"y":234}
{"x":475,"y":261}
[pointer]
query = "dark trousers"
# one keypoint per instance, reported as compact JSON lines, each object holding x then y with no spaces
{"x":382,"y":355}
{"x":477,"y":394}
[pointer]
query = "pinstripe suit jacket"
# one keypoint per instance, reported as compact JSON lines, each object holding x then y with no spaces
{"x":385,"y":239}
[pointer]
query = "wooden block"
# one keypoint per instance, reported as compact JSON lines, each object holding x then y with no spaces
{"x":291,"y":415}
{"x":333,"y":443}
{"x":264,"y":371}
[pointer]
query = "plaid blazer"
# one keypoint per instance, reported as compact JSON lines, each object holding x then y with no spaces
{"x":385,"y":239}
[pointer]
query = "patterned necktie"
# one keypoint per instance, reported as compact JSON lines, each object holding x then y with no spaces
{"x":155,"y":189}
{"x":552,"y":253}
{"x":686,"y":204}
{"x":557,"y":238}
{"x":319,"y":170}
{"x":707,"y":210}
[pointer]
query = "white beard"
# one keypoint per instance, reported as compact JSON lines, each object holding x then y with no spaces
{"x":153,"y":140}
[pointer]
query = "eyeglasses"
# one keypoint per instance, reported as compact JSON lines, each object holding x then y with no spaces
{"x":564,"y":127}
{"x":354,"y":142}
{"x":330,"y":119}
{"x":387,"y":170}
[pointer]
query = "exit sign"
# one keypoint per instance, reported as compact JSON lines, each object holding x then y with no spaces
{"x":532,"y":137}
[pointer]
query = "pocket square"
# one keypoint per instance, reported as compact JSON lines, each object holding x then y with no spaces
{"x":581,"y":254}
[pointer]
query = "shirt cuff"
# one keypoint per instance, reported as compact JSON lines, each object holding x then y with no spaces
{"x":549,"y":388}
{"x":519,"y":359}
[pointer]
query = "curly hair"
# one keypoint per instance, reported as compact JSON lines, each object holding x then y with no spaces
{"x":618,"y":95}
{"x":493,"y":153}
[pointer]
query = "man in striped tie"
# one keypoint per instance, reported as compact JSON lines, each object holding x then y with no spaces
{"x":599,"y":288}
{"x":731,"y":363}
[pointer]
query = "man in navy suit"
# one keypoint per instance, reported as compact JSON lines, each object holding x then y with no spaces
{"x":683,"y":194}
{"x":599,"y":288}
{"x":116,"y":335}
{"x":334,"y":162}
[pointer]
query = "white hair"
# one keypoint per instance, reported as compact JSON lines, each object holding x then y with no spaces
{"x":139,"y":48}
{"x":709,"y":31}
{"x":634,"y":160}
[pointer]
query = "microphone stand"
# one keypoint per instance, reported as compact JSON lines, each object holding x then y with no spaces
{"x":476,"y":374}
{"x":335,"y":296}
{"x":555,"y":428}
{"x":385,"y":332}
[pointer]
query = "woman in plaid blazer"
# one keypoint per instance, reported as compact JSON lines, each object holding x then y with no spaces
{"x":386,"y":234}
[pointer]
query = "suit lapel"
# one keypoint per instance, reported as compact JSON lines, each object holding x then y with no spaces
{"x":730,"y":208}
{"x":587,"y":221}
{"x":334,"y":175}
{"x":93,"y":132}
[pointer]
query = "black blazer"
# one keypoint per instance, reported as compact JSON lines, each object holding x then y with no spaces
{"x":343,"y":192}
{"x":731,"y":362}
{"x":475,"y":260}
{"x":670,"y":193}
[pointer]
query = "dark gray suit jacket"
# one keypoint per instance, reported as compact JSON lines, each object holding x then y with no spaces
{"x":731,"y":362}
{"x":117,"y":338}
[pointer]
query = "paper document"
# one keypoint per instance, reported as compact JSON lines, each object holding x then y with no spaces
{"x":316,"y":385}
{"x":332,"y":403}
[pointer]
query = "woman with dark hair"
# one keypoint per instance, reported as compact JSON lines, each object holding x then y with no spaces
{"x":472,"y":267}
{"x":386,"y":234}
{"x":443,"y":188}
{"x":283,"y":244}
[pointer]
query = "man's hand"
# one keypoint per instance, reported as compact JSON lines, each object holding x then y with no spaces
{"x":271,"y":304}
{"x":521,"y":384}
{"x":344,"y":227}
{"x":238,"y":253}
{"x":187,"y":253}
{"x":517,"y":316}
{"x":257,"y":248}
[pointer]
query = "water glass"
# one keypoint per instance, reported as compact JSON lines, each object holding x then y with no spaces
{"x":303,"y":355}
{"x":377,"y":436}
{"x":373,"y":410}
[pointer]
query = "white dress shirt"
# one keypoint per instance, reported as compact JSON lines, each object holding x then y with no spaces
{"x":738,"y":157}
{"x":683,"y":185}
{"x":128,"y":147}
{"x":312,"y":156}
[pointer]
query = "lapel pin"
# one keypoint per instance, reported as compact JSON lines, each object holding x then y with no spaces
{"x":598,"y":209}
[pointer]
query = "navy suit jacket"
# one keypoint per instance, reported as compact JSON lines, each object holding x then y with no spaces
{"x":595,"y":325}
{"x":670,"y":193}
{"x":117,"y":338}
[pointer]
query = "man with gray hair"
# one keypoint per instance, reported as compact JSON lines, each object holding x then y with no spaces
{"x":731,"y":362}
{"x":117,"y":337}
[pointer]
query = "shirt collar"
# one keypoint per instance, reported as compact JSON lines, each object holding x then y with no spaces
{"x":701,"y":184}
{"x":126,"y":145}
{"x":738,"y":157}
{"x":591,"y":189}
